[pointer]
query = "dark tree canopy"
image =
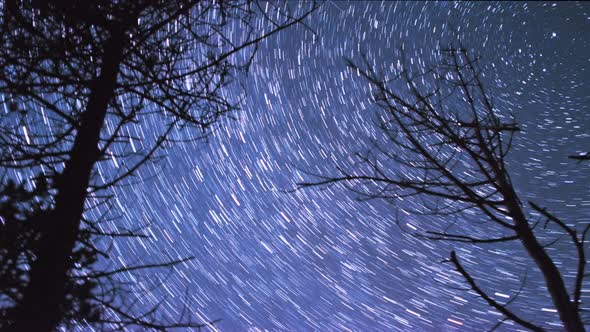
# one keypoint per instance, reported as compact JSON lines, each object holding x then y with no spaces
{"x":79,"y":82}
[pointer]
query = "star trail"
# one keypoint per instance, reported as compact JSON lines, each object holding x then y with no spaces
{"x":318,"y":259}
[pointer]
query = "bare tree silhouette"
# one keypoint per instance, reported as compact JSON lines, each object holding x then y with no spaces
{"x":81,"y":82}
{"x":445,"y":144}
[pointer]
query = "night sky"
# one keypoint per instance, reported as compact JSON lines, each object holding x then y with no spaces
{"x":269,"y":259}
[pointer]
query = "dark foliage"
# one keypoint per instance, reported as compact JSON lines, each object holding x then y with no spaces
{"x":21,"y":213}
{"x":81,"y":84}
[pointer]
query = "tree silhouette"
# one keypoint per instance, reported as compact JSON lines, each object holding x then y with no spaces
{"x":22,"y":212}
{"x":444,"y":144}
{"x":91,"y":92}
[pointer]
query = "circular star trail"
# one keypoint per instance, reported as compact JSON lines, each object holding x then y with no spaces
{"x":271,"y":259}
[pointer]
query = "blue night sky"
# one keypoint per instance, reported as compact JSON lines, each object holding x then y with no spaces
{"x":320,"y":260}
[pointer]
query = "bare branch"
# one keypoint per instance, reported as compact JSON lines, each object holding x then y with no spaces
{"x":493,"y":303}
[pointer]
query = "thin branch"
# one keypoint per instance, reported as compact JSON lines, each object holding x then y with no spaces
{"x":493,"y":303}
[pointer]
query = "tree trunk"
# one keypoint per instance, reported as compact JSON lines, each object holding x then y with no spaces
{"x":43,"y":301}
{"x":561,"y":300}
